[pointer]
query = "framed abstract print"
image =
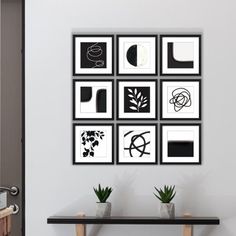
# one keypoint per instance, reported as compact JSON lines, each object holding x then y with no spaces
{"x":136,"y":54}
{"x":93,"y":55}
{"x":180,"y":99}
{"x":93,"y":99}
{"x":180,"y":54}
{"x":93,"y":143}
{"x":136,"y":144}
{"x":180,"y":143}
{"x":137,"y":99}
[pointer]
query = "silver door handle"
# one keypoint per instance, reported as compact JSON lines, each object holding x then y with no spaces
{"x":14,"y":191}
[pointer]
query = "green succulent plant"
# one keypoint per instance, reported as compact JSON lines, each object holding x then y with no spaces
{"x":166,"y":194}
{"x":103,"y":193}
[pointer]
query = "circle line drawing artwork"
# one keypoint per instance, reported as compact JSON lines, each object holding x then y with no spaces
{"x":90,"y":139}
{"x":94,"y":53}
{"x":138,"y":143}
{"x":181,"y":98}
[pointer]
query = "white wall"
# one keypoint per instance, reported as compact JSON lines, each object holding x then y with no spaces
{"x":55,"y":186}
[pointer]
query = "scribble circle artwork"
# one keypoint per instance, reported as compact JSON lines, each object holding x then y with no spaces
{"x":138,"y":143}
{"x":94,"y":53}
{"x":181,"y":98}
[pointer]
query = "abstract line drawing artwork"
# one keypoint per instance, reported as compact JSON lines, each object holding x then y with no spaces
{"x":180,"y":55}
{"x":93,"y":99}
{"x":137,"y":99}
{"x":136,"y":54}
{"x":90,"y":139}
{"x":181,"y":98}
{"x":93,"y":55}
{"x":137,"y":143}
{"x":93,"y":144}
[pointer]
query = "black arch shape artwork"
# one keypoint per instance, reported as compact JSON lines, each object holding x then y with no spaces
{"x":101,"y":98}
{"x":172,"y":62}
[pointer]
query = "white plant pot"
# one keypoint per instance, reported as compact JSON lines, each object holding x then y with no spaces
{"x":103,"y":209}
{"x":167,"y":210}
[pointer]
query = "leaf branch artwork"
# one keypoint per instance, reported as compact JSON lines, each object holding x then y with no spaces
{"x":137,"y":100}
{"x":91,"y":139}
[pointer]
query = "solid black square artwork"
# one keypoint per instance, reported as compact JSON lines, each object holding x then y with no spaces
{"x":93,"y":55}
{"x":137,"y":99}
{"x":180,"y":148}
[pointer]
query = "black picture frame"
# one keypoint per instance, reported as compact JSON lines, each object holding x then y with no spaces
{"x":136,"y":36}
{"x":181,"y":80}
{"x":74,"y":98}
{"x":200,"y":54}
{"x":118,"y":144}
{"x":138,"y":80}
{"x":74,"y":36}
{"x":199,"y":125}
{"x":74,"y":144}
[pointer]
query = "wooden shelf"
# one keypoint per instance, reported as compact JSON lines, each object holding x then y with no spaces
{"x":123,"y":220}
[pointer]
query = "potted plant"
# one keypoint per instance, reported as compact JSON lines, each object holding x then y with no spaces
{"x":103,"y":207}
{"x":166,"y":195}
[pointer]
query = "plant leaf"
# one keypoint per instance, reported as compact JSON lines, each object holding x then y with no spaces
{"x":133,"y":101}
{"x":130,"y":90}
{"x":133,"y":108}
{"x":135,"y":91}
{"x":144,"y":105}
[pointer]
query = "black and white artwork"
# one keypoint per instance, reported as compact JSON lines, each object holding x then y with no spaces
{"x":136,"y":54}
{"x":137,"y":99}
{"x":136,"y":144}
{"x":180,"y":54}
{"x":93,"y":54}
{"x":181,"y":99}
{"x":180,"y":144}
{"x":93,"y":144}
{"x":93,"y":99}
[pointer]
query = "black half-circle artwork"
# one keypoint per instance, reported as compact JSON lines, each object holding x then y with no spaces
{"x":131,"y":55}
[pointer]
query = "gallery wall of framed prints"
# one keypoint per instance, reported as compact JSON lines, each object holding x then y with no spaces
{"x":137,"y":98}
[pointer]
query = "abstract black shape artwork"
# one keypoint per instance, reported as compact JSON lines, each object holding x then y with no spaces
{"x":136,"y":54}
{"x":93,"y":99}
{"x":137,"y":99}
{"x":93,"y":55}
{"x":180,"y":143}
{"x":175,"y":63}
{"x":180,"y":54}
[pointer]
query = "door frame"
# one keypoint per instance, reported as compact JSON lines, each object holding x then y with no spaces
{"x":23,"y":118}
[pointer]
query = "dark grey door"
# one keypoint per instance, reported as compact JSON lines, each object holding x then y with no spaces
{"x":11,"y":104}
